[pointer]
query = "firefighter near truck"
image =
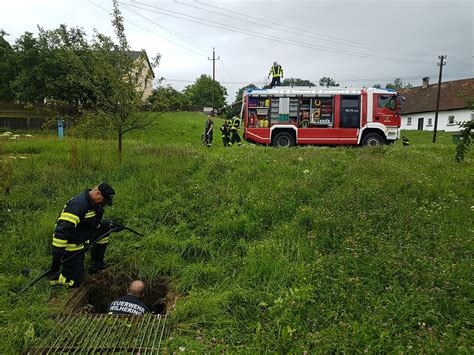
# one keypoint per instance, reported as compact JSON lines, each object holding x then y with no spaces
{"x":288,"y":116}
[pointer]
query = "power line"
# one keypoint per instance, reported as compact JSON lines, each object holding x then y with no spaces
{"x":347,"y":80}
{"x":177,"y":35}
{"x":268,"y":37}
{"x":225,"y":68}
{"x":330,"y":38}
{"x":461,"y":61}
{"x":145,"y":29}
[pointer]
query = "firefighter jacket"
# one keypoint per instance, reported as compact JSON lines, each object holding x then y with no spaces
{"x":276,"y":72}
{"x":79,"y":222}
{"x":128,"y":304}
{"x":235,"y":124}
{"x":224,"y":129}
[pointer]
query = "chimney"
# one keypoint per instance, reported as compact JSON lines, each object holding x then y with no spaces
{"x":426,"y":82}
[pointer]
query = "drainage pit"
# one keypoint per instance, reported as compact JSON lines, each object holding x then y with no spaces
{"x":95,"y":294}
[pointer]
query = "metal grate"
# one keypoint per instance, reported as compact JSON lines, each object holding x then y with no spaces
{"x":104,"y":333}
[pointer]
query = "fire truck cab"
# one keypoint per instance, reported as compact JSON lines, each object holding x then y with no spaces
{"x":287,"y":116}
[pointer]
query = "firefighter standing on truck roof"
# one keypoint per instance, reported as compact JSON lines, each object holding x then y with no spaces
{"x":80,"y":222}
{"x":276,"y":71}
{"x":234,"y":131}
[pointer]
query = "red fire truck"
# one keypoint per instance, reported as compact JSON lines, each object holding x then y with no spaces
{"x":286,"y":116}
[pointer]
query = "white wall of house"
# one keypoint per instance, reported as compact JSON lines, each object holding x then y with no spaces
{"x":145,"y":81}
{"x":447,"y":120}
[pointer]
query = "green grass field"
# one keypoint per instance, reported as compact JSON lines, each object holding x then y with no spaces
{"x":316,"y":249}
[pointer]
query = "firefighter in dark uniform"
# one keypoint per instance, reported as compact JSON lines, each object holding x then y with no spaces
{"x":80,"y":222}
{"x":234,"y":131}
{"x":225,"y":130}
{"x":276,"y":71}
{"x":131,"y":303}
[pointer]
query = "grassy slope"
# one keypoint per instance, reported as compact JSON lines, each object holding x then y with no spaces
{"x":306,"y":249}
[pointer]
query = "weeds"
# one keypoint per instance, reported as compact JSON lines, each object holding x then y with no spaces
{"x":368,"y":251}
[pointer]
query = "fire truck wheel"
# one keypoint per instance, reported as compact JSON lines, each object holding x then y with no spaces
{"x":373,"y":139}
{"x":283,"y":140}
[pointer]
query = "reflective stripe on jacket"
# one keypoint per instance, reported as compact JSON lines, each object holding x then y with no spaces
{"x":276,"y":71}
{"x":78,"y":222}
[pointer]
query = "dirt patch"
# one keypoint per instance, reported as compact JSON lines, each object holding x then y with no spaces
{"x":95,"y":295}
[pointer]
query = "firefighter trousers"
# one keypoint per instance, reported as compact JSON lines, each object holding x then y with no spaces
{"x":71,"y":272}
{"x":275,"y":81}
{"x":225,"y":139}
{"x":235,"y":138}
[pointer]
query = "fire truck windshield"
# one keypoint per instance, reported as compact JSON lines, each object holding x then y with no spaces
{"x":388,"y":101}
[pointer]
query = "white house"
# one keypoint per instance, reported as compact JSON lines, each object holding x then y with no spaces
{"x":146,"y":77}
{"x":418,"y":112}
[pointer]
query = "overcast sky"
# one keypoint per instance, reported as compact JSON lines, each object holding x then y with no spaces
{"x":358,"y":43}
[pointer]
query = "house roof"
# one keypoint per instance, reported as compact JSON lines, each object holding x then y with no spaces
{"x":424,"y":100}
{"x":137,"y":54}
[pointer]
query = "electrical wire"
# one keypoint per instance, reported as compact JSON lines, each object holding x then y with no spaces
{"x":347,"y":79}
{"x":300,"y":31}
{"x":144,"y":29}
{"x":254,"y":34}
{"x":176,"y":34}
{"x":225,"y":68}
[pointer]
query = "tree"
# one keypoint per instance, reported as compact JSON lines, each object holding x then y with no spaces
{"x":7,"y":68}
{"x":327,"y":81}
{"x":398,"y":85}
{"x":296,"y":82}
{"x":377,"y":86}
{"x":467,"y":127}
{"x":201,"y":91}
{"x":54,"y":66}
{"x":166,"y":98}
{"x":240,"y":93}
{"x":115,"y":79}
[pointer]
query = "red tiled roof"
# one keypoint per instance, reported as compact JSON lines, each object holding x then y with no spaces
{"x":424,"y":100}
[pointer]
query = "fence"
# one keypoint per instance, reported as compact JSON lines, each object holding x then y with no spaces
{"x":33,"y":116}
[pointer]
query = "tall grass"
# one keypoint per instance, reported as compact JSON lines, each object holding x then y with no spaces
{"x":309,"y":249}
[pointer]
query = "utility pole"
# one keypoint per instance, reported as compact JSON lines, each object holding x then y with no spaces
{"x":213,"y":77}
{"x":440,"y":64}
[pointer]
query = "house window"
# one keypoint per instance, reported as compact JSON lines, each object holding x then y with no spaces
{"x":408,"y":121}
{"x":450,"y":120}
{"x":430,"y":122}
{"x":146,"y":82}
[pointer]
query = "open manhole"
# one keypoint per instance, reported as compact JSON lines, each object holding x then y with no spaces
{"x":86,"y":328}
{"x":95,"y":295}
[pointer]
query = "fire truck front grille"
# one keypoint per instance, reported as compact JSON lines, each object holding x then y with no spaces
{"x":103,"y":333}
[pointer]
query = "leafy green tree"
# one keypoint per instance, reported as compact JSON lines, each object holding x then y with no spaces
{"x":296,"y":82}
{"x":54,"y":66}
{"x":396,"y":85}
{"x":166,"y":98}
{"x":467,"y":127}
{"x":115,"y":78}
{"x":200,"y":93}
{"x":327,"y":81}
{"x":240,"y":93}
{"x":377,"y":86}
{"x":7,"y":68}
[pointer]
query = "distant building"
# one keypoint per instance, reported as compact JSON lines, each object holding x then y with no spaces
{"x":418,"y":112}
{"x":145,"y":82}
